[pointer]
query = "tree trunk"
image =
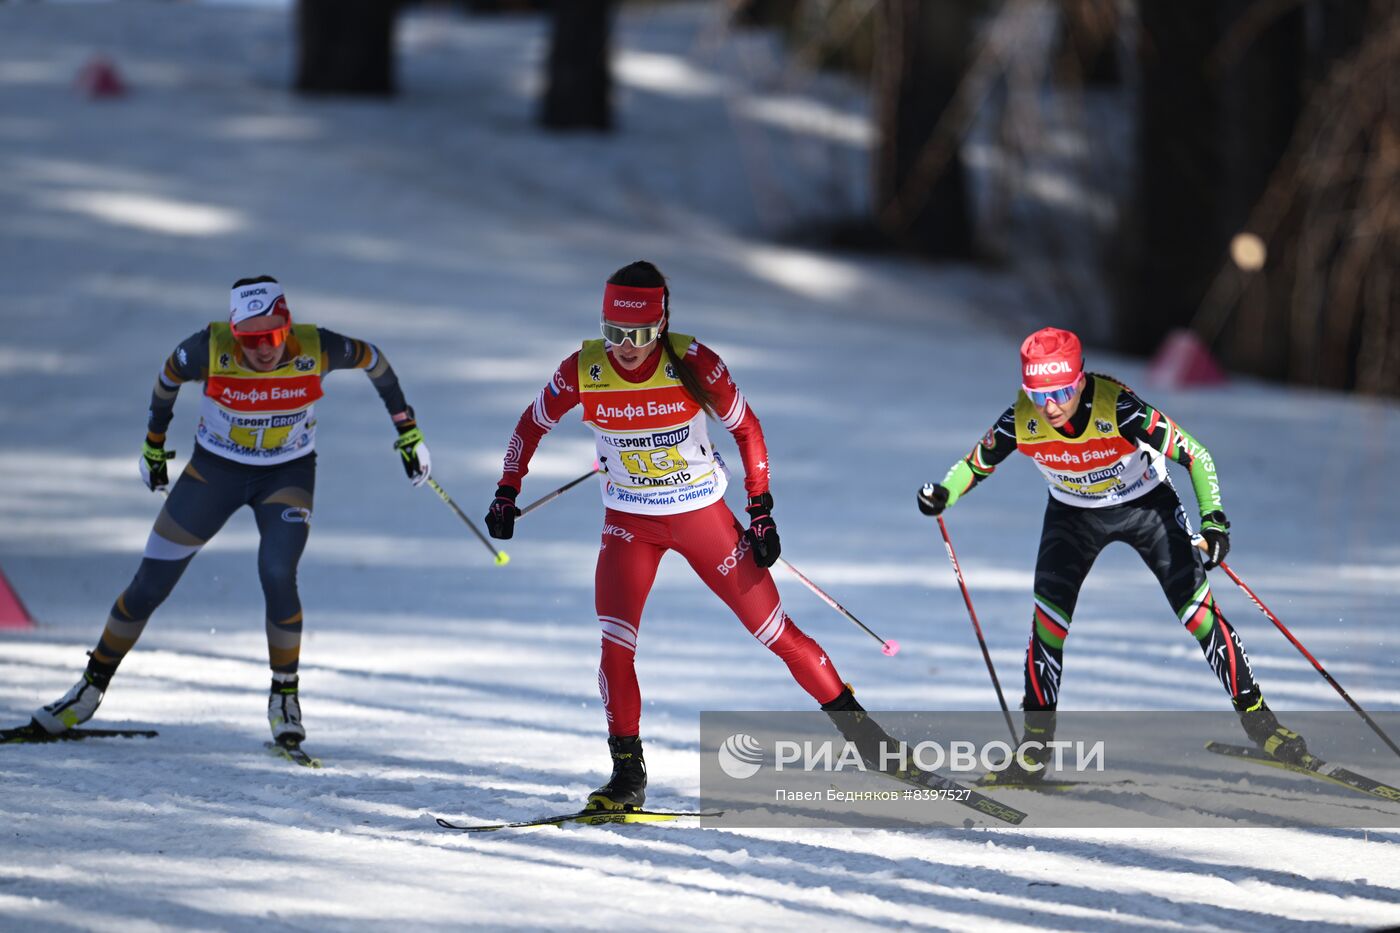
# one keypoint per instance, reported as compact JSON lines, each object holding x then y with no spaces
{"x":505,"y":6}
{"x":345,"y":46}
{"x":1088,"y":53}
{"x":921,"y":199}
{"x":578,"y":85}
{"x":1261,"y":93}
{"x":1336,"y":225}
{"x":762,"y":12}
{"x":1215,"y":120}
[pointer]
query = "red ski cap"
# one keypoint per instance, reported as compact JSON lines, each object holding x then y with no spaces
{"x":1050,"y":359}
{"x":623,"y":304}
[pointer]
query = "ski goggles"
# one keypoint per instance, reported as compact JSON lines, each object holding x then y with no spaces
{"x":1058,"y":396}
{"x":641,"y":336}
{"x":269,"y":329}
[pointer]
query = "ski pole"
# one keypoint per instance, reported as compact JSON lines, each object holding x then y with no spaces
{"x":550,"y":497}
{"x":1299,"y":645}
{"x":502,"y":558}
{"x":976,"y":627}
{"x":888,"y":647}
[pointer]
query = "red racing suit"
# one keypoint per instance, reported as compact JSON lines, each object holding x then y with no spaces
{"x":663,"y":485}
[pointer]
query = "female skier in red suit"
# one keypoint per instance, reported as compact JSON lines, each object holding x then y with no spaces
{"x":646,"y":392}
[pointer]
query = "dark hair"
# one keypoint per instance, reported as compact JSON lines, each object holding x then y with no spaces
{"x":255,"y":281}
{"x":1113,"y":379}
{"x":642,"y":274}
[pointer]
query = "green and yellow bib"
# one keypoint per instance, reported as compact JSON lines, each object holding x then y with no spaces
{"x":1098,"y":468}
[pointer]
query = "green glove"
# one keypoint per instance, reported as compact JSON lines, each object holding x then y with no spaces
{"x":414,"y":452}
{"x":154,"y":472}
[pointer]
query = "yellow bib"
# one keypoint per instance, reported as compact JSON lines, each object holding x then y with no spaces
{"x":652,"y":437}
{"x":1096,"y":468}
{"x":261,"y":417}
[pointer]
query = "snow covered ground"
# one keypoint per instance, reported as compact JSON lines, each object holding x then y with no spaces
{"x":472,"y":249}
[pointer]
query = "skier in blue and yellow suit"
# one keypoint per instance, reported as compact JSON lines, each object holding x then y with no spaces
{"x":255,"y":447}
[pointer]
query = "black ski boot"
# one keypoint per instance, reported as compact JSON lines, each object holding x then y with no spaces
{"x":1028,"y":768}
{"x":1263,"y":728}
{"x":855,"y":724}
{"x":627,"y":788}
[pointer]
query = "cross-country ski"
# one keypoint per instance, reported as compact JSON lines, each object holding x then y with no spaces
{"x":699,"y":464}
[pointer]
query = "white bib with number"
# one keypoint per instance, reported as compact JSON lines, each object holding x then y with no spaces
{"x":652,"y":437}
{"x":262,"y":418}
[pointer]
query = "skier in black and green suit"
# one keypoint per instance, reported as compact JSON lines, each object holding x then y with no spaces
{"x":1103,"y":452}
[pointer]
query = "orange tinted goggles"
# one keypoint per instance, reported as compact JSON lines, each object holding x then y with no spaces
{"x":275,"y":336}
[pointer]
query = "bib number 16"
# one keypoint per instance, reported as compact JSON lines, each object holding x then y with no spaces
{"x":662,"y":461}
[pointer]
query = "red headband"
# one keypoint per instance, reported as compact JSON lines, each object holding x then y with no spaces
{"x":626,"y":305}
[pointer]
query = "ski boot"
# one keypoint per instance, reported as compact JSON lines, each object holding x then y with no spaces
{"x":1263,"y":728}
{"x":627,"y":788}
{"x":284,"y":711}
{"x":78,"y":704}
{"x":1028,"y":767}
{"x":875,"y":746}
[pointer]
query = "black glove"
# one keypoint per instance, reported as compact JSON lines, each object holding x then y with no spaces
{"x":500,"y":518}
{"x":1215,"y":528}
{"x":933,"y":499}
{"x":414,"y":453}
{"x":763,"y":532}
{"x":154,"y":472}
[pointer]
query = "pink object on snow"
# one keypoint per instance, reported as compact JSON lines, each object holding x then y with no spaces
{"x":1183,"y":360}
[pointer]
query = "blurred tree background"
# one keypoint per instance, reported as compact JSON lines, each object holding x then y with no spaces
{"x":346,"y":46}
{"x":1264,"y":208}
{"x":1278,"y":120}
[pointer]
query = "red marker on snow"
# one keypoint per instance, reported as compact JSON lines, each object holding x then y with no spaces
{"x":12,"y":611}
{"x":99,"y":79}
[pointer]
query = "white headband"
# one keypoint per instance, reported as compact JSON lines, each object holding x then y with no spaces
{"x":255,"y":300}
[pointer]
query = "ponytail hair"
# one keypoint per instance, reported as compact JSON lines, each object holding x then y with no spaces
{"x":1113,"y":379}
{"x":642,"y":274}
